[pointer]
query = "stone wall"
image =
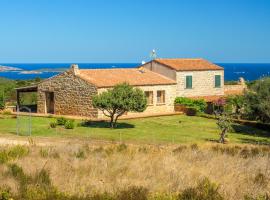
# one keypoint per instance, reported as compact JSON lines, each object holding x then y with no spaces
{"x":72,"y":95}
{"x":167,"y":107}
{"x":234,"y":89}
{"x":203,"y":83}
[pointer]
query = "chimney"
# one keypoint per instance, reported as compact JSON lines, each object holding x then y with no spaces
{"x":75,"y":69}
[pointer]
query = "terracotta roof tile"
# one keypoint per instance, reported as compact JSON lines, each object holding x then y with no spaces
{"x":188,"y":64}
{"x":136,"y":77}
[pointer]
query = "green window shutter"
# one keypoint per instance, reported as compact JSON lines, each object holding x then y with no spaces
{"x":217,"y":81}
{"x":189,"y":82}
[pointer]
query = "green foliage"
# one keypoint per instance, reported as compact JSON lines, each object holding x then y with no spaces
{"x":235,"y":105}
{"x":205,"y":190}
{"x":7,"y":89}
{"x":260,"y":197}
{"x":122,"y":98}
{"x":199,"y":105}
{"x":133,"y":193}
{"x":12,"y":153}
{"x":69,"y":124}
{"x":53,"y":124}
{"x":2,"y":101}
{"x":5,"y":193}
{"x":61,"y":121}
{"x":224,"y":124}
{"x":257,"y":100}
{"x":18,"y":151}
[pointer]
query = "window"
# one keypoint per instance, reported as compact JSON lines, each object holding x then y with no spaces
{"x":217,"y":81}
{"x":160,"y":96}
{"x":188,"y":82}
{"x":149,"y":97}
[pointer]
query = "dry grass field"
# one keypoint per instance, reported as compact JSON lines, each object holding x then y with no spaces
{"x":164,"y":171}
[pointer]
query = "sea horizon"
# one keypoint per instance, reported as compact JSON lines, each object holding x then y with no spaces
{"x":233,"y":70}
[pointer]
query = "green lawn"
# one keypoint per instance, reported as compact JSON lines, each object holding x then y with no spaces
{"x":178,"y":129}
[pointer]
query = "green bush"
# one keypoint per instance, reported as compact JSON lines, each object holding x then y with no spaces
{"x":205,"y":190}
{"x":3,"y":157}
{"x":199,"y":104}
{"x":5,"y":193}
{"x":53,"y":124}
{"x":15,"y":152}
{"x":61,"y":121}
{"x":69,"y":124}
{"x":18,"y":151}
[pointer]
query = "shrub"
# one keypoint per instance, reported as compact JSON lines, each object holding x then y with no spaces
{"x":69,"y":124}
{"x":61,"y":121}
{"x":122,"y":147}
{"x":194,"y":147}
{"x":5,"y":193}
{"x":3,"y":157}
{"x":13,"y":153}
{"x":205,"y":190}
{"x":53,"y":124}
{"x":18,"y":151}
{"x":180,"y":149}
{"x":133,"y":193}
{"x":260,"y":179}
{"x":199,"y":105}
{"x":80,"y":154}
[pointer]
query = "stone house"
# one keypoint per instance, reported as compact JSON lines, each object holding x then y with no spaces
{"x":162,"y":80}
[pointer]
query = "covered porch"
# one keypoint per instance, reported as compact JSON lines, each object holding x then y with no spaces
{"x":27,"y":98}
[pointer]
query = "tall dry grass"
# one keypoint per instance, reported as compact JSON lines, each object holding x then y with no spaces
{"x":91,"y":168}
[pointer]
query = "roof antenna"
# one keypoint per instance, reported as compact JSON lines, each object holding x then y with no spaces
{"x":153,"y":54}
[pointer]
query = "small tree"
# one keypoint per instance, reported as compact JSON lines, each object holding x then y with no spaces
{"x":2,"y":101}
{"x":224,"y":124}
{"x":122,"y":98}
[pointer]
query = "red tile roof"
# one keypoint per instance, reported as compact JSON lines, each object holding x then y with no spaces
{"x":136,"y":77}
{"x":188,"y":64}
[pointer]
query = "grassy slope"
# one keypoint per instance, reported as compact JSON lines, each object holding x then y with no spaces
{"x":179,"y":129}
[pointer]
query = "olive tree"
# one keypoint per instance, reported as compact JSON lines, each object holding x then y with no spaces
{"x":224,"y":124}
{"x":120,"y":99}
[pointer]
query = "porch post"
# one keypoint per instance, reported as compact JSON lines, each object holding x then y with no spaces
{"x":18,"y":100}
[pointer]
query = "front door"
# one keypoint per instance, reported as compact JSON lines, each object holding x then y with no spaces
{"x":50,"y":102}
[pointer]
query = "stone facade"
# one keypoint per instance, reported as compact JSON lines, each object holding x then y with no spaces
{"x":72,"y":95}
{"x":203,"y":83}
{"x":155,"y":108}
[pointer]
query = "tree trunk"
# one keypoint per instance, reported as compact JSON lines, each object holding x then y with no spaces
{"x":112,"y":122}
{"x":222,"y":136}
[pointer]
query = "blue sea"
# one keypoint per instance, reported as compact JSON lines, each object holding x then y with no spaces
{"x":249,"y":71}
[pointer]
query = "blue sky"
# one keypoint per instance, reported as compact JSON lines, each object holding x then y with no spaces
{"x":127,"y":30}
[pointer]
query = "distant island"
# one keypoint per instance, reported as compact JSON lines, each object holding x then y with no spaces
{"x":37,"y":71}
{"x":7,"y":68}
